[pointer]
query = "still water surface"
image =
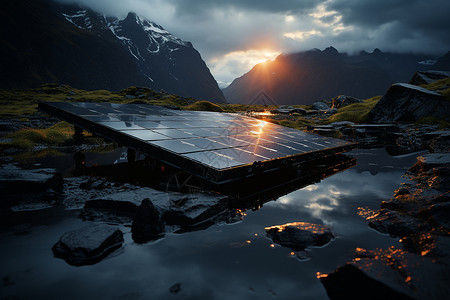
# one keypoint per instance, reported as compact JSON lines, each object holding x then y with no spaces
{"x":224,"y":261}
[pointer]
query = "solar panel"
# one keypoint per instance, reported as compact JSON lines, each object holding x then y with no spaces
{"x":216,"y":146}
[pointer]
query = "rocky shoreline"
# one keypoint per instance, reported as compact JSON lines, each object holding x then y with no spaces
{"x":419,"y":215}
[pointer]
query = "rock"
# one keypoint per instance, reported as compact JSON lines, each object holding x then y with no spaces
{"x":388,"y":274}
{"x":429,"y":161}
{"x":88,"y":245}
{"x":16,"y":180}
{"x":332,"y":111}
{"x":320,"y":106}
{"x":433,"y":160}
{"x":109,"y":211}
{"x":349,"y":282}
{"x":28,"y":187}
{"x":342,"y":100}
{"x":426,"y":77}
{"x":408,"y":103}
{"x":147,"y":224}
{"x":300,"y":235}
{"x":396,"y":223}
{"x":288,"y":111}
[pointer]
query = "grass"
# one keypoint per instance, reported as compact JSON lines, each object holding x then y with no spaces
{"x":356,"y":112}
{"x":433,"y":121}
{"x":27,"y":138}
{"x":23,"y":103}
{"x":441,"y":86}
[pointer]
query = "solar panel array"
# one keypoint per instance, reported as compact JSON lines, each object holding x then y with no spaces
{"x":216,"y":140}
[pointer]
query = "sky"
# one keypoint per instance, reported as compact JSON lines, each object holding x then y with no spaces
{"x":234,"y":35}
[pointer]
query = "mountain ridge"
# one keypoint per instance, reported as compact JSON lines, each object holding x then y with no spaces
{"x":314,"y":75}
{"x":69,"y":44}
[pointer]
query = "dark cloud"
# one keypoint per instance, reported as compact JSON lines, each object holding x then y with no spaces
{"x":270,"y":6}
{"x":423,"y":19}
{"x":219,"y":28}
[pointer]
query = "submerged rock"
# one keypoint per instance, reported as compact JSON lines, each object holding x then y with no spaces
{"x":408,"y":103}
{"x":147,"y":224}
{"x":88,"y":245}
{"x":299,"y":236}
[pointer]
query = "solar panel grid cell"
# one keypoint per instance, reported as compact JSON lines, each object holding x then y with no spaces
{"x":217,"y":140}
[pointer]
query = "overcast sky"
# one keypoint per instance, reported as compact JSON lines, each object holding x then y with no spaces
{"x":233,"y":35}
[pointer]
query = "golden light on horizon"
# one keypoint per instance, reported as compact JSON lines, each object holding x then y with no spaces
{"x":248,"y":58}
{"x":301,"y":35}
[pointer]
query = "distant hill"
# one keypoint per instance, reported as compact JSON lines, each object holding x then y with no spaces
{"x":44,"y":41}
{"x":306,"y":77}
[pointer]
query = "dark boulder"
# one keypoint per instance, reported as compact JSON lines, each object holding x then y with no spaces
{"x":20,"y":187}
{"x":147,"y":224}
{"x":349,"y":282}
{"x":88,"y":245}
{"x":426,"y":77}
{"x":109,"y":211}
{"x":300,"y":235}
{"x":342,"y":100}
{"x":408,"y":103}
{"x":320,"y":106}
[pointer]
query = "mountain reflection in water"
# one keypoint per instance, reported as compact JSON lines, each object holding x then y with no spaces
{"x":222,"y":261}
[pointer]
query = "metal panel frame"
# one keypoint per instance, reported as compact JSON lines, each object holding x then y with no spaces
{"x":209,"y":173}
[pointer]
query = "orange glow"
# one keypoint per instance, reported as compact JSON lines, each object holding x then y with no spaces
{"x":315,"y":228}
{"x":292,"y":253}
{"x":367,"y":213}
{"x":272,"y":246}
{"x":248,"y":242}
{"x":321,"y":275}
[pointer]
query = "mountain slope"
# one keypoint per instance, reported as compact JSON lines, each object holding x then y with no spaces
{"x":306,"y":77}
{"x":50,"y":42}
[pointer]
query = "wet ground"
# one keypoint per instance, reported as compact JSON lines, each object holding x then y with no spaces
{"x":224,"y":261}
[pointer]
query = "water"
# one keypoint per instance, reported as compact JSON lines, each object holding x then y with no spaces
{"x":224,"y":261}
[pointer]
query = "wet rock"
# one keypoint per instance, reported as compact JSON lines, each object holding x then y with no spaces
{"x":88,"y":245}
{"x":300,"y":235}
{"x":320,"y":106}
{"x":393,"y":271}
{"x":349,"y":282}
{"x":342,"y":100}
{"x":16,"y":180}
{"x":147,"y":224}
{"x":433,"y":160}
{"x":396,"y":224}
{"x":408,"y":103}
{"x":28,"y":188}
{"x":109,"y":211}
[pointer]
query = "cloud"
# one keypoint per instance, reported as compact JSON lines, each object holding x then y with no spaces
{"x":224,"y":31}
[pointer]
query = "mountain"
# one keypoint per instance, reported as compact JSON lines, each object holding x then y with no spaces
{"x":443,"y":63}
{"x":306,"y":77}
{"x":44,"y":41}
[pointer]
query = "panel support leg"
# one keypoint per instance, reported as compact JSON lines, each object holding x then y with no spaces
{"x":78,"y":133}
{"x":131,"y":156}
